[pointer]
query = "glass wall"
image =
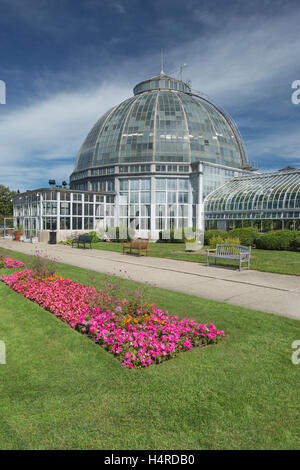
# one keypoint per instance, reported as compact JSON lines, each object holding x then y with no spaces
{"x":172,"y":199}
{"x":134,"y":203}
{"x":273,"y":195}
{"x":214,"y":177}
{"x":65,"y":209}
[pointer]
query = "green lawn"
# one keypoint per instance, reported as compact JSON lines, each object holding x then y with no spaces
{"x":283,"y":262}
{"x":59,"y":390}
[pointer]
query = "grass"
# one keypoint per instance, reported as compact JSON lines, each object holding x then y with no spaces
{"x":282,"y":262}
{"x":59,"y":390}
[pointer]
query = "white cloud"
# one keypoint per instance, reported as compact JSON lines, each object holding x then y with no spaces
{"x":49,"y":131}
{"x":239,"y":62}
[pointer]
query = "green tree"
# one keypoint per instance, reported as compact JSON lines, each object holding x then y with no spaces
{"x":6,"y":202}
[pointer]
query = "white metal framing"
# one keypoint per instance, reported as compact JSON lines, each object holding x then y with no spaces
{"x":266,"y":193}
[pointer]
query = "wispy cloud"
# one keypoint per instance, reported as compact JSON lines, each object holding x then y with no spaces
{"x":246,"y":62}
{"x":118,"y":6}
{"x":36,"y":138}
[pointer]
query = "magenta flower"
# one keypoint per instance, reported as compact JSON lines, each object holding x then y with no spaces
{"x":148,"y":340}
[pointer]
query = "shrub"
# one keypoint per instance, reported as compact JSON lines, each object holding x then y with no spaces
{"x":94,"y":235}
{"x":295,"y":244}
{"x":246,"y":235}
{"x":66,"y":242}
{"x":213,"y":233}
{"x":214,"y":241}
{"x":276,"y":240}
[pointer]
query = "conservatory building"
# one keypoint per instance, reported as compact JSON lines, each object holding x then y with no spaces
{"x":273,"y":197}
{"x":160,"y":152}
{"x":163,"y":158}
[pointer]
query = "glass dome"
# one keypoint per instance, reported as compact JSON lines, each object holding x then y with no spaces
{"x":163,"y":122}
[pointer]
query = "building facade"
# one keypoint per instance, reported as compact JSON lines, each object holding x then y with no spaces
{"x":164,"y":158}
{"x":272,"y":197}
{"x":161,"y":152}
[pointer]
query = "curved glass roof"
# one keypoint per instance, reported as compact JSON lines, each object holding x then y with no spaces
{"x":163,"y":122}
{"x":269,"y":195}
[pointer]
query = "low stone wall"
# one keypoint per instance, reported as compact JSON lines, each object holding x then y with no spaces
{"x":43,"y":236}
{"x":61,"y":235}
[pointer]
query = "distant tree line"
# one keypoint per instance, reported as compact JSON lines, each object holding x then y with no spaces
{"x":6,"y":202}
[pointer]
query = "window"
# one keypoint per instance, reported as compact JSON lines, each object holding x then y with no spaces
{"x":64,"y":208}
{"x":65,"y":223}
{"x":160,"y":197}
{"x":77,"y":208}
{"x":171,"y":197}
{"x":183,"y":198}
{"x":76,"y":223}
{"x":160,"y":184}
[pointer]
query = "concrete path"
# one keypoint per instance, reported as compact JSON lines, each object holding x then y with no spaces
{"x":273,"y":293}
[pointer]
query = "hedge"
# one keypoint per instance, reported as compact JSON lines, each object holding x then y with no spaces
{"x":295,"y":244}
{"x":246,"y":235}
{"x":209,"y":234}
{"x":278,"y":240}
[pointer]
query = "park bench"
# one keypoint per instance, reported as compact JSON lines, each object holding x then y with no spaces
{"x":82,"y":240}
{"x":136,"y":244}
{"x":231,"y":252}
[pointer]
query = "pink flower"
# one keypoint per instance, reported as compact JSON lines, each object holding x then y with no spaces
{"x":158,"y":338}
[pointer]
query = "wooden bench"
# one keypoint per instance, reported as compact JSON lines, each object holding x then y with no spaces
{"x":136,"y":244}
{"x":82,"y":240}
{"x":231,"y":252}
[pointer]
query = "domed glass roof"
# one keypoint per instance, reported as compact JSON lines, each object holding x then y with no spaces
{"x":162,"y":122}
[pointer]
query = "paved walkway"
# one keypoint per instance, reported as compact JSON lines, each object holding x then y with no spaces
{"x":273,"y":293}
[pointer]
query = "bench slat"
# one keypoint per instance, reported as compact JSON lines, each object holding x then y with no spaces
{"x":231,"y":252}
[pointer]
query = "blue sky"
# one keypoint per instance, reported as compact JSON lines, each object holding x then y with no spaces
{"x":65,"y":62}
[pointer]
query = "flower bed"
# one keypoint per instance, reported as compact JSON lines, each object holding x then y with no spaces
{"x":64,"y":298}
{"x":138,"y":337}
{"x":10,"y":263}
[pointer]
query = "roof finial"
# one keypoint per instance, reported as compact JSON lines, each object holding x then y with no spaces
{"x":162,"y":61}
{"x":181,"y":68}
